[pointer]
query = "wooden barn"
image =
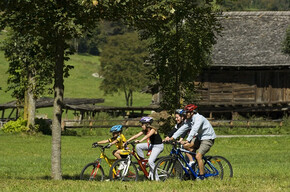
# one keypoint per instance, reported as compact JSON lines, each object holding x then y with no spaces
{"x":250,"y":73}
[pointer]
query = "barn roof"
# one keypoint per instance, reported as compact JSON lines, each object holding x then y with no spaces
{"x":252,"y":39}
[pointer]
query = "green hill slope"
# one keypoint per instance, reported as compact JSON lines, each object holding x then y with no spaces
{"x":80,"y":84}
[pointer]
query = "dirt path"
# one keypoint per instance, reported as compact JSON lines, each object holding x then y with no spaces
{"x":229,"y":136}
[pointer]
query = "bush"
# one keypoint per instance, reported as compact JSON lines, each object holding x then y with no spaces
{"x":15,"y":126}
{"x":43,"y":126}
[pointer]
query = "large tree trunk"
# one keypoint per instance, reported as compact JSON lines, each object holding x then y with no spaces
{"x":57,"y":113}
{"x":31,"y":103}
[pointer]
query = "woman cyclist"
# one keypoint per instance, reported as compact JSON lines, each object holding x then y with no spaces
{"x":179,"y":118}
{"x":156,"y":146}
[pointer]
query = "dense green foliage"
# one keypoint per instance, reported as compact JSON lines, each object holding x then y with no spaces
{"x":25,"y":165}
{"x":181,"y":35}
{"x":16,"y":126}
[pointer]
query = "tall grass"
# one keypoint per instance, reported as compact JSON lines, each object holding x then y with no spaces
{"x":260,"y":164}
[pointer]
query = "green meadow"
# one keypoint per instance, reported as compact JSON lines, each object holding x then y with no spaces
{"x":80,"y":84}
{"x":259,"y":164}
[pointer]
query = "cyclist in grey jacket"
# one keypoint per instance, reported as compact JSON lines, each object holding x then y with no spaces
{"x":200,"y":138}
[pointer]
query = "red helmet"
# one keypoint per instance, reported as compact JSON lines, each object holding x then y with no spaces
{"x":190,"y":107}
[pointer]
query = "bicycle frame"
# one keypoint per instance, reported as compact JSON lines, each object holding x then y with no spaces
{"x":177,"y":152}
{"x":141,"y":162}
{"x":105,"y":157}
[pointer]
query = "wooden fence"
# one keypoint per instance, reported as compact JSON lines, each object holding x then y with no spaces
{"x":68,"y":124}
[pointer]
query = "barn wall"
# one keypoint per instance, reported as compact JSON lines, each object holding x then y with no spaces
{"x":240,"y":87}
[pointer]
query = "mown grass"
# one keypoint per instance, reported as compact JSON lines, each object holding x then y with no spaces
{"x":260,"y":164}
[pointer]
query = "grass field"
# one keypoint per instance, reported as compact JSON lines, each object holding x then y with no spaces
{"x":260,"y":164}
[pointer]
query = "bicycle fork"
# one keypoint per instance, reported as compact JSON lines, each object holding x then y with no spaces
{"x":126,"y":167}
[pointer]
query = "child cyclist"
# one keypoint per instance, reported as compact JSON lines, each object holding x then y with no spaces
{"x":118,"y":139}
{"x":155,"y":145}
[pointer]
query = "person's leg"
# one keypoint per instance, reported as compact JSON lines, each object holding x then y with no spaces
{"x":116,"y":153}
{"x":156,"y":150}
{"x":140,"y":148}
{"x":191,"y":147}
{"x":205,"y":146}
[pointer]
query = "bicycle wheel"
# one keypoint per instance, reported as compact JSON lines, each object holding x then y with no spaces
{"x":168,"y":167}
{"x":123,"y":170}
{"x":93,"y":171}
{"x":226,"y":166}
{"x":212,"y":168}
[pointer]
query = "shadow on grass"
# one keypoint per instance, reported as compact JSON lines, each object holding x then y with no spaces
{"x":64,"y":177}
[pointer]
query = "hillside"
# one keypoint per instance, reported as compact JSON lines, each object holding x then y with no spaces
{"x":80,"y":84}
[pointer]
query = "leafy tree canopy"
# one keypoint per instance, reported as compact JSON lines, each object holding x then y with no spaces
{"x":122,"y":65}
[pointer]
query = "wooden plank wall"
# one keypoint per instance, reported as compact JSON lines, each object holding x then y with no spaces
{"x":240,"y":87}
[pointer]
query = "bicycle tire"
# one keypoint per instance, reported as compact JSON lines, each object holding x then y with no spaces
{"x":166,"y":168}
{"x":93,"y":171}
{"x":226,"y":166}
{"x":128,"y":173}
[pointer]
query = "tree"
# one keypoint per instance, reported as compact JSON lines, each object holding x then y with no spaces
{"x":27,"y":76}
{"x":122,"y":65}
{"x":182,"y":33}
{"x":54,"y":23}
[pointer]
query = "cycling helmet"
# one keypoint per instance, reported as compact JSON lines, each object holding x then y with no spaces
{"x":146,"y":120}
{"x":116,"y":128}
{"x":190,"y":108}
{"x":179,"y":111}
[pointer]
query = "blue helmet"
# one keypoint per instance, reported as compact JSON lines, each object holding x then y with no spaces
{"x":116,"y":128}
{"x":179,"y":111}
{"x":146,"y":120}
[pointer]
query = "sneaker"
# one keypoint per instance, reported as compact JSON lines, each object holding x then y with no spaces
{"x":191,"y":163}
{"x":200,"y":177}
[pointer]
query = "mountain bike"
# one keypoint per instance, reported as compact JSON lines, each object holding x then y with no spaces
{"x":126,"y":170}
{"x":94,"y":170}
{"x":176,"y":166}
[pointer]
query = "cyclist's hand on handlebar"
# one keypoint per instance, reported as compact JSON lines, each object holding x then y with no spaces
{"x":137,"y":141}
{"x":95,"y":144}
{"x":183,"y":142}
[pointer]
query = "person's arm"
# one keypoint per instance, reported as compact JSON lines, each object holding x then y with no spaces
{"x":195,"y":127}
{"x":151,"y":132}
{"x":135,"y":136}
{"x":181,"y":130}
{"x":172,"y":132}
{"x":103,"y":141}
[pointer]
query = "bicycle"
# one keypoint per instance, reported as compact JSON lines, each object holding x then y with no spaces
{"x":127,"y":169}
{"x":94,"y":170}
{"x":176,"y":166}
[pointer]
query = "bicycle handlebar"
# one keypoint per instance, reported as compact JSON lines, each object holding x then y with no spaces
{"x":101,"y":146}
{"x":130,"y":143}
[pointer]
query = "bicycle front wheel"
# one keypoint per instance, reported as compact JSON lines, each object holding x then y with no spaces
{"x":92,"y":172}
{"x":167,"y":167}
{"x":123,"y":170}
{"x":226,"y":166}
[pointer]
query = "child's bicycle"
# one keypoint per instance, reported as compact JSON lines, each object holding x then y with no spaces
{"x":94,"y":170}
{"x":176,"y":166}
{"x":126,"y":170}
